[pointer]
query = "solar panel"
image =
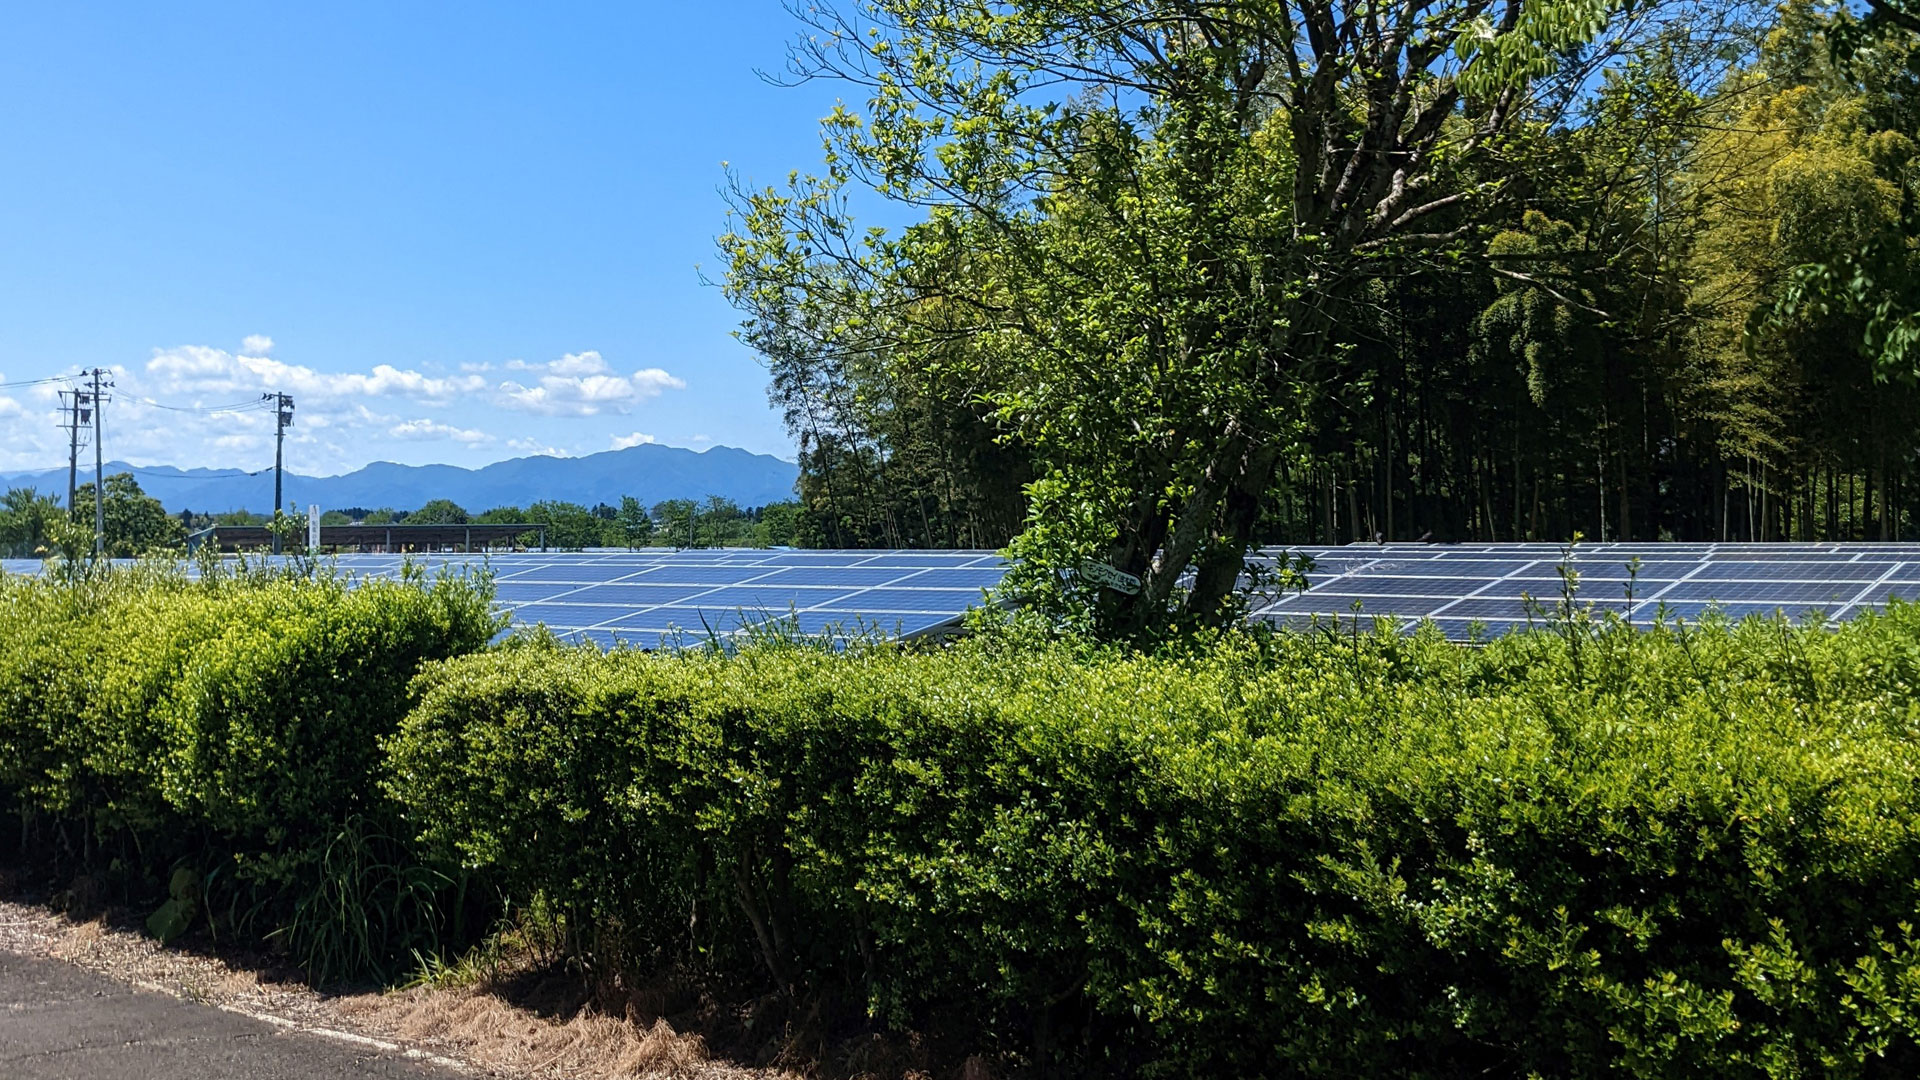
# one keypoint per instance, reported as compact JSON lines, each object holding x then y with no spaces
{"x":906,"y":600}
{"x":659,"y":597}
{"x":1677,"y":581}
{"x":1363,"y":584}
{"x":1779,"y":592}
{"x":652,"y":599}
{"x":639,"y":592}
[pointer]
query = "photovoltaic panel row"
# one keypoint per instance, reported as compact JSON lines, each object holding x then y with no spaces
{"x":650,"y":599}
{"x":653,"y":598}
{"x":1493,"y":588}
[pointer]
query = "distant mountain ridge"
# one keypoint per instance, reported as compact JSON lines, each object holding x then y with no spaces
{"x":650,"y":472}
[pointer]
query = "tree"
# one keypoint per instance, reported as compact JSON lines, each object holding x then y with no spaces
{"x":386,"y":515}
{"x":676,"y":518}
{"x":438,"y":512}
{"x":1633,"y":344}
{"x":1144,"y":224}
{"x":569,"y":525}
{"x":28,"y":523}
{"x":1886,"y":21}
{"x":507,"y":515}
{"x":136,"y":523}
{"x":779,"y":525}
{"x":722,"y":523}
{"x":636,"y":525}
{"x":1857,"y":178}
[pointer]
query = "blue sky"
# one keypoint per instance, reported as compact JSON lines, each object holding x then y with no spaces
{"x":454,"y":233}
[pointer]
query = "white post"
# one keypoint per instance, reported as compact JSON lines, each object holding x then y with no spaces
{"x":313,"y":526}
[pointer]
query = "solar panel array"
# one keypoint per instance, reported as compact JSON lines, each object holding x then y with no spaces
{"x":650,"y":599}
{"x":655,"y":598}
{"x":1490,"y":589}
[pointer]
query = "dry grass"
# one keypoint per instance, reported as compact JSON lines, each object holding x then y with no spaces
{"x":474,"y":1025}
{"x":488,"y":1031}
{"x":509,"y":1011}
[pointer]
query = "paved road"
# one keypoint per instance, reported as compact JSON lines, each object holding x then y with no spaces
{"x":59,"y":1022}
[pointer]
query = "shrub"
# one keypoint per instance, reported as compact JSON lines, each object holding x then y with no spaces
{"x":1578,"y":853}
{"x":230,"y":723}
{"x":1675,"y":853}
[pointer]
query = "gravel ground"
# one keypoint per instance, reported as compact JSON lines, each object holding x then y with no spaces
{"x":465,"y":1028}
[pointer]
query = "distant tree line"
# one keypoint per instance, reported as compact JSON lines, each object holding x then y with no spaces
{"x":716,"y":522}
{"x":33,"y":525}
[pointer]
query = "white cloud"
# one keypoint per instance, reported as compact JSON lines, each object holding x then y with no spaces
{"x":583,"y":363}
{"x":198,"y":368}
{"x":536,"y":447}
{"x":409,"y":410}
{"x":429,"y":429}
{"x":582,"y":384}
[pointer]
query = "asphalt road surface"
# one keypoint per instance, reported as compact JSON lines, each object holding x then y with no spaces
{"x":60,"y":1022}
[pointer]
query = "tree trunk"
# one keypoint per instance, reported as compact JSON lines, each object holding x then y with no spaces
{"x":1217,"y":572}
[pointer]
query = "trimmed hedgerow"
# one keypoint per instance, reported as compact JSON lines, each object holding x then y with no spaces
{"x":1574,"y":853}
{"x":1675,"y":853}
{"x":230,"y":727}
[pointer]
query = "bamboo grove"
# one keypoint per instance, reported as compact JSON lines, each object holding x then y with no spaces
{"x":1605,"y":322}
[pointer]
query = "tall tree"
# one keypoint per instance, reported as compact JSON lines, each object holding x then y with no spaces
{"x":28,"y":523}
{"x":438,"y":512}
{"x":136,"y":523}
{"x":1145,"y":222}
{"x":636,"y":525}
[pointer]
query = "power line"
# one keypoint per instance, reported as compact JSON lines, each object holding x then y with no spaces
{"x":85,"y":399}
{"x":42,"y":382}
{"x":239,"y":406}
{"x":236,"y":475}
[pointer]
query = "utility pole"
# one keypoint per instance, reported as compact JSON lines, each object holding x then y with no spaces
{"x":99,"y":481}
{"x":77,"y":415}
{"x":283,"y":419}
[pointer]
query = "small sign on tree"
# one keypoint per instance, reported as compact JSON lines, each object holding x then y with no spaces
{"x":1100,"y":573}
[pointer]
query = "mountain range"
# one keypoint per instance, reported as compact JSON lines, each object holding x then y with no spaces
{"x":649,"y":471}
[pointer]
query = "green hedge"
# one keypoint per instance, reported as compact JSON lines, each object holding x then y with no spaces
{"x":1593,"y":853}
{"x":1566,"y":854}
{"x":229,"y":727}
